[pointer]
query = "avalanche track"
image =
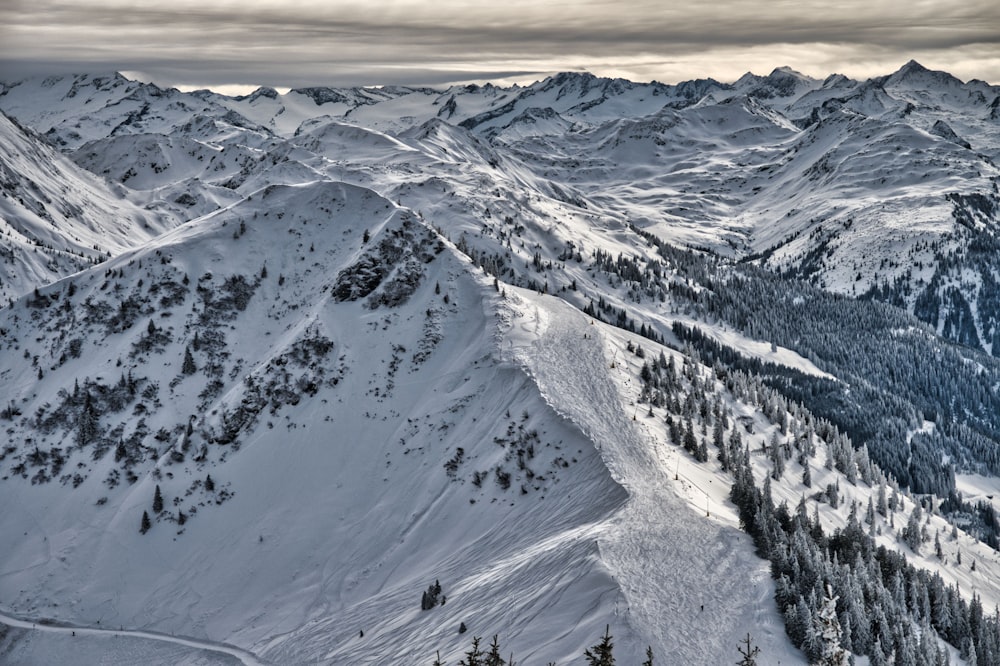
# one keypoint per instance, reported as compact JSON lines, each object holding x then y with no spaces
{"x":666,"y":562}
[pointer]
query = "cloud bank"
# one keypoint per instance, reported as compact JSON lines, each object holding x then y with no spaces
{"x":312,"y":42}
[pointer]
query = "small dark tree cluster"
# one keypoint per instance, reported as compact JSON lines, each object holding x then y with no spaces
{"x":601,"y":654}
{"x":431,"y":597}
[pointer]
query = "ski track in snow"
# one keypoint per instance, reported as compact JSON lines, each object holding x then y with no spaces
{"x":244,"y":657}
{"x":666,"y":562}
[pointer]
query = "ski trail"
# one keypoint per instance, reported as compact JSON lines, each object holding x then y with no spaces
{"x":668,"y":562}
{"x":246,"y":657}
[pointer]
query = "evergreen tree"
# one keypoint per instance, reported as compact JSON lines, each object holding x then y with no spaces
{"x":88,"y":425}
{"x":777,"y":458}
{"x":473,"y":657}
{"x":748,"y":652}
{"x":145,"y":525}
{"x":649,"y":657}
{"x":157,"y":501}
{"x":209,"y":484}
{"x":911,"y":533}
{"x":826,"y":628}
{"x":883,"y":503}
{"x":188,"y":367}
{"x":431,"y":597}
{"x":493,"y":657}
{"x":601,"y":654}
{"x":690,"y":441}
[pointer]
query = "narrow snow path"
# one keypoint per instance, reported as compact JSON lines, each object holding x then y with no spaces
{"x":668,"y":562}
{"x":245,"y":657}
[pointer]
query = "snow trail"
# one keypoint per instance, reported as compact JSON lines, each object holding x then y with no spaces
{"x":666,"y":562}
{"x":245,"y":657}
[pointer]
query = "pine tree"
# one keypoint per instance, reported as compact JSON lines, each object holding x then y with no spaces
{"x":826,"y":629}
{"x":145,"y":525}
{"x":209,"y":484}
{"x":601,"y":654}
{"x":493,"y":657}
{"x":188,"y":367}
{"x":88,"y":425}
{"x":911,"y":533}
{"x":649,"y":657}
{"x":748,"y":651}
{"x":157,"y":501}
{"x":777,"y":458}
{"x":474,"y":656}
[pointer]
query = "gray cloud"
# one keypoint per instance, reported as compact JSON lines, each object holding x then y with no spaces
{"x":412,"y":42}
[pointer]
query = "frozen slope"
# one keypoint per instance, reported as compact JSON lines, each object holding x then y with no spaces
{"x":669,"y":562}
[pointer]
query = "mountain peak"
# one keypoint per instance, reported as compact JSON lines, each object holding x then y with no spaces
{"x":262,"y":91}
{"x":915,"y":73}
{"x":785,"y":71}
{"x":912,"y":67}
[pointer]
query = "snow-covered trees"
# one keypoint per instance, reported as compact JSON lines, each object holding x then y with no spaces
{"x":828,"y":634}
{"x":841,"y":592}
{"x":912,"y":533}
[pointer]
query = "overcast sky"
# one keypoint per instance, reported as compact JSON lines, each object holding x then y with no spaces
{"x":228,"y":44}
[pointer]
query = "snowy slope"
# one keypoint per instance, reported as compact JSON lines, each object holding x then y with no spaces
{"x":57,"y":218}
{"x":394,"y":513}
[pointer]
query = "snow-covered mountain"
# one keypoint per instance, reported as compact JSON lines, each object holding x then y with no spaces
{"x":58,"y":218}
{"x":289,"y":359}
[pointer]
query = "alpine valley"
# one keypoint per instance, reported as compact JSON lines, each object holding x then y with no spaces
{"x":380,"y":375}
